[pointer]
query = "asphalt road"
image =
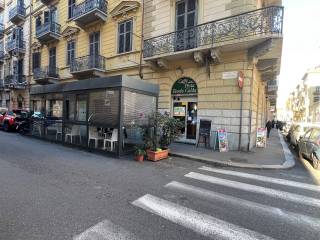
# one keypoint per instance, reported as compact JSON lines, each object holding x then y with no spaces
{"x":51,"y":192}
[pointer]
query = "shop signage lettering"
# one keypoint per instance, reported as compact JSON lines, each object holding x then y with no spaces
{"x":184,"y":86}
{"x":230,"y":75}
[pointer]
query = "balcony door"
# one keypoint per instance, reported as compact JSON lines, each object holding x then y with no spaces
{"x":52,"y":61}
{"x":94,"y":52}
{"x":186,"y":19}
{"x":18,"y":71}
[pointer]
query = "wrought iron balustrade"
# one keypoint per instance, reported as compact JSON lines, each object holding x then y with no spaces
{"x":46,"y":72}
{"x":1,"y":55}
{"x":90,"y":62}
{"x":263,"y":21}
{"x":15,"y":81}
{"x":49,"y":27}
{"x":87,"y":6}
{"x":16,"y":44}
{"x":17,"y":10}
{"x":1,"y":29}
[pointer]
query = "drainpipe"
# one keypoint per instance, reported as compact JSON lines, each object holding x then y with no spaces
{"x":250,"y":111}
{"x":30,"y":52}
{"x":141,"y":42}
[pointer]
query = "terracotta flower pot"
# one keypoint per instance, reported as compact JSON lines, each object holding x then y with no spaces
{"x":138,"y":158}
{"x":157,"y":155}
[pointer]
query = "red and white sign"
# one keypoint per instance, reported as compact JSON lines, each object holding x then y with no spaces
{"x":240,"y":79}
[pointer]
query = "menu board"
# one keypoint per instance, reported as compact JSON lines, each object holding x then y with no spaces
{"x":261,"y":140}
{"x":205,"y":127}
{"x":223,"y":140}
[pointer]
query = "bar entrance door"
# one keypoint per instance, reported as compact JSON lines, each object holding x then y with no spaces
{"x":185,"y":109}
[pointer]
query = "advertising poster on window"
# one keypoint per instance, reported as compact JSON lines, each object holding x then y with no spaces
{"x":223,"y":140}
{"x":179,"y":111}
{"x":261,"y":137}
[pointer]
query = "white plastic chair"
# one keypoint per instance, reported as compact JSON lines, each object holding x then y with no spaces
{"x":94,"y":135}
{"x":111,"y":141}
{"x":75,"y":131}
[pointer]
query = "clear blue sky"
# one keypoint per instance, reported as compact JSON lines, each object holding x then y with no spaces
{"x":301,"y":44}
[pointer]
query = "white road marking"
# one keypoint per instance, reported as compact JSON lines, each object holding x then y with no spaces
{"x":105,"y":230}
{"x":278,"y":181}
{"x":199,"y":222}
{"x":256,"y":189}
{"x":284,"y":216}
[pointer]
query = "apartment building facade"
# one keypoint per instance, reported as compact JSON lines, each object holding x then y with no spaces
{"x":199,"y":50}
{"x":213,"y":60}
{"x":14,"y":54}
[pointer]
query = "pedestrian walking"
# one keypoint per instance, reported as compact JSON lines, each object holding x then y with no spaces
{"x":268,"y":126}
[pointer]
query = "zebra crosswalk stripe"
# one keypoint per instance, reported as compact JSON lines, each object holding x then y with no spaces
{"x":285,"y":216}
{"x":199,"y":222}
{"x":105,"y":230}
{"x":278,"y":181}
{"x":256,"y":189}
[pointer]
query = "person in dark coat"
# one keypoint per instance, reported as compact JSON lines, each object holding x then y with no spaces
{"x":272,"y":123}
{"x":268,"y":126}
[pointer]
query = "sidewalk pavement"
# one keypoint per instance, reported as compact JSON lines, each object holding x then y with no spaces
{"x":275,"y":156}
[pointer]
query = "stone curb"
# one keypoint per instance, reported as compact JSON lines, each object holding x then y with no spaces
{"x":289,"y":162}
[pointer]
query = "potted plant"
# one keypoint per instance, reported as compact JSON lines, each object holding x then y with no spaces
{"x":139,"y":154}
{"x":164,"y":131}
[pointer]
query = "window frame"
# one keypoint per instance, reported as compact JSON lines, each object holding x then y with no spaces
{"x":94,"y":42}
{"x":33,"y":60}
{"x":68,"y":57}
{"x":124,"y":34}
{"x":71,"y":4}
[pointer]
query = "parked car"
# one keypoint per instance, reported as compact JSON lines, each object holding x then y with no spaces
{"x":309,"y":146}
{"x":298,"y":131}
{"x":10,"y":120}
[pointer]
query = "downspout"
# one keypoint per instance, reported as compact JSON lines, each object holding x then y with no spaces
{"x":30,"y":52}
{"x":250,"y":110}
{"x":141,"y":42}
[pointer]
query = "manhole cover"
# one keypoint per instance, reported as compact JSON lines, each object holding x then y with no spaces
{"x":239,"y":160}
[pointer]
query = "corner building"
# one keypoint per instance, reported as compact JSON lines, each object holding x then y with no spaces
{"x":197,"y":49}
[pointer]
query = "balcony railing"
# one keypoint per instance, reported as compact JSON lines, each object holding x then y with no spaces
{"x":259,"y":22}
{"x":88,"y":63}
{"x":45,"y":73}
{"x":15,"y":81}
{"x":17,"y":13}
{"x":1,"y":55}
{"x":16,"y":45}
{"x":89,"y":11}
{"x":1,"y":5}
{"x":1,"y":30}
{"x":48,"y":31}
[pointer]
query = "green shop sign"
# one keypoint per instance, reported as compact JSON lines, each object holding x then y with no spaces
{"x":184,"y":86}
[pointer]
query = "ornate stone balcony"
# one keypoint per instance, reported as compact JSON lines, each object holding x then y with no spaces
{"x":90,"y":11}
{"x":46,"y":75}
{"x":17,"y":14}
{"x":15,"y":81}
{"x":16,"y":47}
{"x":48,"y":32}
{"x":241,"y":31}
{"x":88,"y":66}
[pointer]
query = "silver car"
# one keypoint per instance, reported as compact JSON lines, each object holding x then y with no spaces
{"x":309,"y":146}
